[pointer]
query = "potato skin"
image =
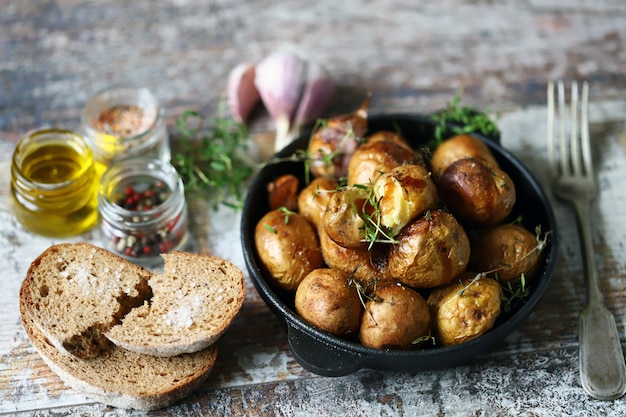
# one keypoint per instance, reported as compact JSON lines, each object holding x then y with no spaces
{"x":464,"y":309}
{"x":314,"y":198}
{"x":394,"y":318}
{"x":382,"y":152}
{"x":325,"y":299}
{"x":460,"y":147}
{"x":403,"y":194}
{"x":431,"y":251}
{"x":506,"y":252}
{"x":288,"y":248}
{"x":342,"y":219}
{"x":476,"y":193}
{"x":366,"y":265}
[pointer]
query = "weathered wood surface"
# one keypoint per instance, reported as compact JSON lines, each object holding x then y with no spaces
{"x":413,"y":57}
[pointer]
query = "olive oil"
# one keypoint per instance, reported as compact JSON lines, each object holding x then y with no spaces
{"x":53,"y":183}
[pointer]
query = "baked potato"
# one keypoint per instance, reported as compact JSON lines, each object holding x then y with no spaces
{"x":383,"y":151}
{"x":288,"y":247}
{"x":344,"y":216}
{"x":314,"y":198}
{"x":326,"y":300}
{"x":394,"y":318}
{"x":404,"y":193}
{"x":477,"y":194}
{"x":283,"y":192}
{"x":465,"y":308}
{"x":430,"y":251}
{"x":365,"y":265}
{"x":331,"y":146}
{"x":505,"y":253}
{"x":460,"y":147}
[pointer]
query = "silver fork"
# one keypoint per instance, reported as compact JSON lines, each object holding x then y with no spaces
{"x":602,"y":367}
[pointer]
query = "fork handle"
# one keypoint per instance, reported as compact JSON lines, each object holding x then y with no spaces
{"x":602,"y":367}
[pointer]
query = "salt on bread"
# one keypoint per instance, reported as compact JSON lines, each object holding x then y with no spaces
{"x":194,"y":301}
{"x":73,"y":293}
{"x":125,"y":379}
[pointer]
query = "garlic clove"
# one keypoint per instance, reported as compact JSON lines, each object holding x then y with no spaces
{"x":280,"y":80}
{"x":241,"y":92}
{"x":318,"y":93}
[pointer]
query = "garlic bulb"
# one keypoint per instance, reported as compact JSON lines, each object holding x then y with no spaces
{"x":294,"y":91}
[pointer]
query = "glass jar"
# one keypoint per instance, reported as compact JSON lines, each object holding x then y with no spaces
{"x":143,"y":212}
{"x":122,"y":121}
{"x":53,"y":183}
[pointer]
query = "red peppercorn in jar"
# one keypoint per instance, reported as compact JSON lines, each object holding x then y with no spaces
{"x":143,"y":210}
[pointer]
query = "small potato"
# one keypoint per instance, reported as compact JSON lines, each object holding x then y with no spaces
{"x":314,"y":198}
{"x":395,"y":318}
{"x":464,"y":309}
{"x":332,"y":145}
{"x":476,"y":193}
{"x":343,"y":218}
{"x":382,"y":152}
{"x":460,"y":147}
{"x":325,"y":299}
{"x":283,"y":192}
{"x":430,"y":252}
{"x":365,"y":265}
{"x":288,"y":247}
{"x":505,"y":252}
{"x":403,"y":194}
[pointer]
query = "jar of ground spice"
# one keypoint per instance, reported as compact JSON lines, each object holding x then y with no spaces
{"x":123,"y":121}
{"x":54,"y":187}
{"x":143,"y":210}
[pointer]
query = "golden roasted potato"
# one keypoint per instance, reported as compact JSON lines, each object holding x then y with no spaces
{"x":403,"y":194}
{"x":395,"y":318}
{"x":283,"y":192}
{"x":430,"y":251}
{"x":365,"y":265}
{"x":343,"y":218}
{"x":314,"y":198}
{"x":332,"y":145}
{"x":288,"y":247}
{"x":382,"y":152}
{"x":460,"y":147}
{"x":325,"y":299}
{"x":477,"y":193}
{"x":505,"y":252}
{"x":464,"y":309}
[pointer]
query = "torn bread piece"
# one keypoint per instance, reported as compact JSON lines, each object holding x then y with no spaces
{"x":194,"y":301}
{"x":75,"y":292}
{"x":125,"y":379}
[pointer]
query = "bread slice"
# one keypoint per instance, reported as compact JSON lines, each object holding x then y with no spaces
{"x":194,"y":301}
{"x":125,"y":379}
{"x":75,"y":292}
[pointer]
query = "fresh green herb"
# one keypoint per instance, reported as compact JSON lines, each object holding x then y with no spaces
{"x":456,"y":120}
{"x":213,"y":163}
{"x":369,"y":211}
{"x":514,"y":293}
{"x":424,"y":338}
{"x":363,"y":290}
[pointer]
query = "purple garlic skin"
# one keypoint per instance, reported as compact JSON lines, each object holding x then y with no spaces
{"x":241,"y":93}
{"x":280,"y":80}
{"x":318,"y":93}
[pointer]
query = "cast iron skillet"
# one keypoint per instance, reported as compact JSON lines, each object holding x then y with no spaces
{"x":325,"y":354}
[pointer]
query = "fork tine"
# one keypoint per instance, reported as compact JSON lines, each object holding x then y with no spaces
{"x":564,"y":160}
{"x":574,"y":138}
{"x":584,"y":131}
{"x":550,"y":132}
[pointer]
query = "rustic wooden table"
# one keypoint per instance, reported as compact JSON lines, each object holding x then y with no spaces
{"x":413,"y":57}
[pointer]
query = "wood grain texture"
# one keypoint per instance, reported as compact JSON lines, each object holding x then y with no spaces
{"x":412,"y":57}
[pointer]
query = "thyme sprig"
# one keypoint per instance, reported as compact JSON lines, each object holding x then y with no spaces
{"x":373,"y":231}
{"x":213,"y":162}
{"x":456,"y":120}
